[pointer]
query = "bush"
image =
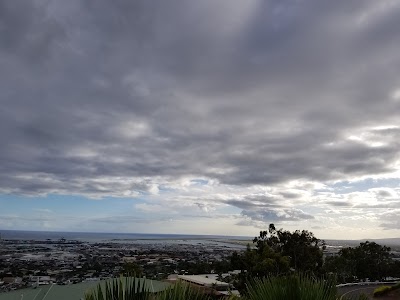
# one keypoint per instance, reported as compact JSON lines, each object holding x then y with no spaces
{"x":291,"y":287}
{"x":382,"y":290}
{"x":131,"y":288}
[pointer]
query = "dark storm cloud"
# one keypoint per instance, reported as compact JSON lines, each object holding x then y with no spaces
{"x":100,"y":97}
{"x":26,"y":33}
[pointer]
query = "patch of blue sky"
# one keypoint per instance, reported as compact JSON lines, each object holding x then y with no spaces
{"x":199,"y":182}
{"x":346,"y":187}
{"x":227,"y":210}
{"x":64,"y":204}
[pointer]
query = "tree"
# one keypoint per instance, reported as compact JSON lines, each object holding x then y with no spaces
{"x":276,"y":251}
{"x":343,"y":268}
{"x":259,"y":262}
{"x":302,"y":247}
{"x":369,"y":260}
{"x":131,"y":268}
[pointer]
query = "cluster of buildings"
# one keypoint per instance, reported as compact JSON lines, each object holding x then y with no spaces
{"x":31,"y":263}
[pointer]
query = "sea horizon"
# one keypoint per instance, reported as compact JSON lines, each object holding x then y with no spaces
{"x":84,"y":235}
{"x":11,"y":234}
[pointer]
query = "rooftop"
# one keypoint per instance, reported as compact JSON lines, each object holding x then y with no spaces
{"x":203,"y":279}
{"x":68,"y":292}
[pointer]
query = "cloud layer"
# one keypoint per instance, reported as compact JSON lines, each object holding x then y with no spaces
{"x":270,"y":107}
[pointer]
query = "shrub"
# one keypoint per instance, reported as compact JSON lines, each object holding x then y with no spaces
{"x":131,"y":288}
{"x":382,"y":290}
{"x":300,"y":287}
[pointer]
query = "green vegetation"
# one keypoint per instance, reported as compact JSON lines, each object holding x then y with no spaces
{"x":131,"y":288}
{"x":130,"y":268}
{"x":277,"y":252}
{"x":367,"y":261}
{"x":383,"y":290}
{"x":302,"y":248}
{"x":287,"y":287}
{"x":292,"y":287}
{"x":280,"y":251}
{"x":124,"y":288}
{"x":182,"y":291}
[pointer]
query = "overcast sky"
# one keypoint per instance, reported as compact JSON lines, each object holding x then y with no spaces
{"x":204,"y":117}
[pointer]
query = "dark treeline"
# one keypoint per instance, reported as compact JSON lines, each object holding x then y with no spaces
{"x":278,"y":252}
{"x":367,"y":261}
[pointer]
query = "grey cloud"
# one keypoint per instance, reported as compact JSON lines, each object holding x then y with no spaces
{"x":290,"y":195}
{"x":383,"y":205}
{"x":266,"y":209}
{"x":383,"y":194}
{"x":391,"y":225}
{"x":102,"y":92}
{"x":339,"y":203}
{"x":318,"y":227}
{"x":390,"y":220}
{"x":28,"y":32}
{"x":267,"y":215}
{"x":254,"y":202}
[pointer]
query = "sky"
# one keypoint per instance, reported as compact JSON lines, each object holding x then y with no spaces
{"x":201,"y":117}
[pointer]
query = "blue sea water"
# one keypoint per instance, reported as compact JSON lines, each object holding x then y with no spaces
{"x":100,"y":236}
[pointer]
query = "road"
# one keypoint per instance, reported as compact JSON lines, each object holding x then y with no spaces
{"x":356,"y":290}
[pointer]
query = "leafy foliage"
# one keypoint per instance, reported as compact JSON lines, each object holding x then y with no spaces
{"x":182,"y":291}
{"x":276,"y":251}
{"x":258,"y":263}
{"x":368,"y":260}
{"x":131,"y":288}
{"x":302,"y":248}
{"x":130,"y":269}
{"x":297,"y":287}
{"x":286,"y":287}
{"x":382,"y":290}
{"x":124,"y":288}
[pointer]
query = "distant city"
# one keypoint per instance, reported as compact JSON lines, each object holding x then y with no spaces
{"x":34,"y":258}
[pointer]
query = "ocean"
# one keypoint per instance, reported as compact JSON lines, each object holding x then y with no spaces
{"x":109,"y":237}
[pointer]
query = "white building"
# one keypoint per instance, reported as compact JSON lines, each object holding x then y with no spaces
{"x":205,"y":280}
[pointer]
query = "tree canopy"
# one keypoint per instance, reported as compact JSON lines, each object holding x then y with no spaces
{"x":369,"y":260}
{"x":302,"y":248}
{"x":277,"y":251}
